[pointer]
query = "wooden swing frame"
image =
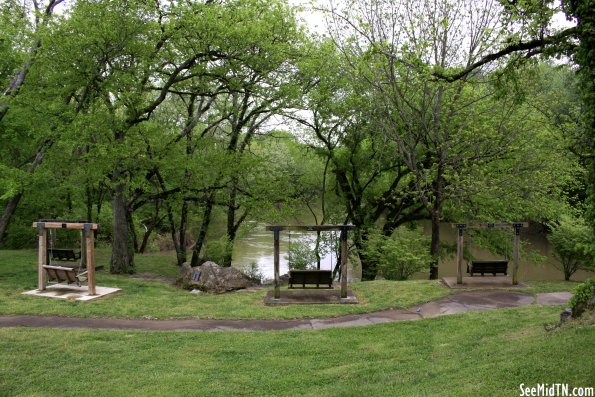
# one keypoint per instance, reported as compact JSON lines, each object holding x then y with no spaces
{"x":42,"y":232}
{"x":517,"y":226}
{"x":276,"y":229}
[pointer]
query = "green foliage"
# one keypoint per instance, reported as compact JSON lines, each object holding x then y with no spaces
{"x":401,"y":255}
{"x":301,"y":255}
{"x":216,"y":250}
{"x":570,"y":238}
{"x":252,"y":271}
{"x":583,"y":298}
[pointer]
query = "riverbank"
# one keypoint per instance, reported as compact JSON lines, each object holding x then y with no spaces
{"x":157,"y":299}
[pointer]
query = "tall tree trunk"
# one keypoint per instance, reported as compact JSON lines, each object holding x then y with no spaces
{"x":202,"y":234}
{"x":145,"y":242}
{"x":170,"y":218}
{"x":7,"y":214}
{"x":155,"y":221}
{"x":132,"y":230}
{"x":436,"y":215}
{"x":231,"y":222}
{"x":182,"y":243}
{"x":89,"y":203}
{"x":122,"y":261}
{"x":369,"y":267}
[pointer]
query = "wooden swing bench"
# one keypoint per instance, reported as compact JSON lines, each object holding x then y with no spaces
{"x":487,"y":266}
{"x":311,"y":277}
{"x":65,"y":274}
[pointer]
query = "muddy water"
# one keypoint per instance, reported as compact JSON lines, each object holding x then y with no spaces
{"x":257,"y":247}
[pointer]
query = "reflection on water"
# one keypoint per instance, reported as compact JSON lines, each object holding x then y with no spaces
{"x":257,"y":247}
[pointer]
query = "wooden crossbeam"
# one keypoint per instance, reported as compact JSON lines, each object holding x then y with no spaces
{"x":65,"y":225}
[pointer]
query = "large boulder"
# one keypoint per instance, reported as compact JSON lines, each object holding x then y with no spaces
{"x":210,"y":277}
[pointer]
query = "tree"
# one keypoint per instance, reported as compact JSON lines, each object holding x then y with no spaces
{"x":22,"y":30}
{"x":374,"y":185}
{"x":571,"y":239}
{"x":444,"y":130}
{"x":401,"y":44}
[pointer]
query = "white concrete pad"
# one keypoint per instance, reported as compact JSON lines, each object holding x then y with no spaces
{"x":72,"y":292}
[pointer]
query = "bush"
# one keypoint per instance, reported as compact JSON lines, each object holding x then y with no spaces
{"x":570,"y":239}
{"x":583,"y":298}
{"x":252,"y":271}
{"x":217,"y":250}
{"x":401,"y":255}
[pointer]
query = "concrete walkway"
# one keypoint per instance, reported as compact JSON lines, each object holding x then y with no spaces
{"x":456,"y":303}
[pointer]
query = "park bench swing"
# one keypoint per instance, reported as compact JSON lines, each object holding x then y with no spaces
{"x":47,"y":270}
{"x":488,"y":266}
{"x":303,"y":277}
{"x":277,"y":229}
{"x":66,"y":274}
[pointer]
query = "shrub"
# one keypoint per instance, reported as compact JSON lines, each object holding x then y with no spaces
{"x":583,"y":298}
{"x":217,"y":250}
{"x":570,"y":239}
{"x":401,"y":255}
{"x":252,"y":271}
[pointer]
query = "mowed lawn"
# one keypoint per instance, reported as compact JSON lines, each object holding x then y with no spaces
{"x":473,"y":354}
{"x":159,"y":300}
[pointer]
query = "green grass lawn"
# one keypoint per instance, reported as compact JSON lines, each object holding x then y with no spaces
{"x":472,"y":354}
{"x":155,"y":299}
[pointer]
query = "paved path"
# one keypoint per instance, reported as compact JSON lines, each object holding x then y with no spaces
{"x":456,"y":303}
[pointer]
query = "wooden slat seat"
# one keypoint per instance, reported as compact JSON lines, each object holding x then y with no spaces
{"x":67,"y":274}
{"x":311,"y":277}
{"x":487,"y":266}
{"x":65,"y":254}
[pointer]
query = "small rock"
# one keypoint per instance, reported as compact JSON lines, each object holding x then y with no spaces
{"x":565,"y":315}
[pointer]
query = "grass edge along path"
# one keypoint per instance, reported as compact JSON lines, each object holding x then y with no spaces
{"x":469,"y":354}
{"x":453,"y":304}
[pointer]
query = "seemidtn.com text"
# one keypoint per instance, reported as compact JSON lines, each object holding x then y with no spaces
{"x":555,"y":390}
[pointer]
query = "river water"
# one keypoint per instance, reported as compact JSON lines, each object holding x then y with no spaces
{"x":256,"y":246}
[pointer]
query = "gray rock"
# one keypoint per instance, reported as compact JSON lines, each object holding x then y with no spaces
{"x":210,"y":277}
{"x":565,"y":315}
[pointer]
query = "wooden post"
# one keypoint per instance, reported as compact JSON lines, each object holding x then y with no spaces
{"x":83,"y":258}
{"x":460,"y":242}
{"x":276,"y":262}
{"x":42,"y":255}
{"x":90,"y":256}
{"x":343,"y":263}
{"x":515,"y":253}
